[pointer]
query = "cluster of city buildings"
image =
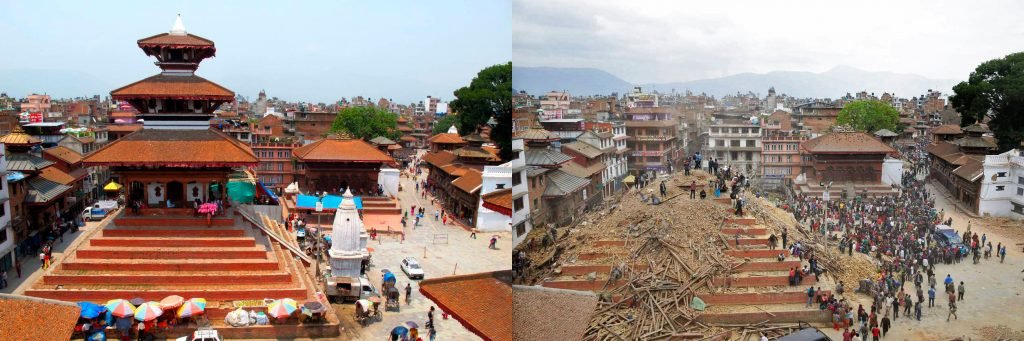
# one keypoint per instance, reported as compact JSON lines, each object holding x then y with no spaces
{"x":580,"y":151}
{"x":46,"y":140}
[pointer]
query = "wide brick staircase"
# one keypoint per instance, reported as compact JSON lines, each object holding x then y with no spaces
{"x":144,"y":256}
{"x":756,"y":291}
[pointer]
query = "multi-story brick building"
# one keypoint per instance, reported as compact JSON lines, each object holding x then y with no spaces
{"x":780,"y":147}
{"x":276,"y":169}
{"x":652,"y":139}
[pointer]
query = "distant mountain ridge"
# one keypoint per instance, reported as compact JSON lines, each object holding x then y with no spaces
{"x":833,"y":83}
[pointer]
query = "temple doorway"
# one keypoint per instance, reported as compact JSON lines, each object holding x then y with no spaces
{"x":176,"y":193}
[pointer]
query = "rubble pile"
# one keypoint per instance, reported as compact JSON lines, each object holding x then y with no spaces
{"x":848,"y":269}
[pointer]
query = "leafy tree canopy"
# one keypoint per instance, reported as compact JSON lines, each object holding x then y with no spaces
{"x":442,"y":125}
{"x":366,"y":123}
{"x":488,"y":95}
{"x":869,"y":116}
{"x":995,"y":90}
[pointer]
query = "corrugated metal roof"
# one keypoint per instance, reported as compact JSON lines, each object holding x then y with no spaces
{"x":545,"y":157}
{"x":583,"y":148}
{"x":26,"y":162}
{"x":561,"y":183}
{"x":41,"y":191}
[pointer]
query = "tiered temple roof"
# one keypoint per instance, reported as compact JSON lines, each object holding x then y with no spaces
{"x":174,"y":148}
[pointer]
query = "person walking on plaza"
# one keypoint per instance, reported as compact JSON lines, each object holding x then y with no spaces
{"x":693,"y":189}
{"x":960,"y":290}
{"x":931,"y":297}
{"x":494,"y":243}
{"x":408,"y":293}
{"x":885,"y":325}
{"x":952,"y":312}
{"x":917,"y":310}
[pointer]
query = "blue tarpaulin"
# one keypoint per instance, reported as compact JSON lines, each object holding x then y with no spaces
{"x":268,"y":191}
{"x":331,"y":202}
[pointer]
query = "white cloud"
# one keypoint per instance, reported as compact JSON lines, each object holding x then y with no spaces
{"x":661,"y":41}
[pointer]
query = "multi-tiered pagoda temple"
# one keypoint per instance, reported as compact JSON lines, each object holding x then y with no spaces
{"x":176,"y":158}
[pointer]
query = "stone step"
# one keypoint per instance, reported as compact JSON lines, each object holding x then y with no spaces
{"x":173,"y":221}
{"x":811,"y":315}
{"x":741,"y":221}
{"x":596,"y":285}
{"x":576,"y":270}
{"x":171,"y":253}
{"x":104,"y":295}
{"x":762,"y":281}
{"x":181,"y":233}
{"x":793,"y":297}
{"x":771,"y":265}
{"x":745,"y":232}
{"x":382,"y":210}
{"x":170,"y":280}
{"x":763,"y":253}
{"x":169,"y":265}
{"x":746,"y":241}
{"x":599,"y":255}
{"x":173,"y":241}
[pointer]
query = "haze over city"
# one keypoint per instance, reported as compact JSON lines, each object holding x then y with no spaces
{"x":659,"y":41}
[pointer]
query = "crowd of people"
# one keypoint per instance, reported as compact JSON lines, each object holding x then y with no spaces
{"x":897,"y":231}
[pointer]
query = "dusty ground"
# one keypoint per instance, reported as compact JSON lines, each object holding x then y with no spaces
{"x":992,"y":308}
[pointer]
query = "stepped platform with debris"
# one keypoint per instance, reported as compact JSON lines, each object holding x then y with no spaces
{"x":154,"y":255}
{"x":648,"y":262}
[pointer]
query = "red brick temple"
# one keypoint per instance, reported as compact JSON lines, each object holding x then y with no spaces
{"x":166,"y":249}
{"x":338,"y":162}
{"x":851,"y":161}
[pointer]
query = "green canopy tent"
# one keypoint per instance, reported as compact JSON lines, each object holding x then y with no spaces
{"x":241,"y":192}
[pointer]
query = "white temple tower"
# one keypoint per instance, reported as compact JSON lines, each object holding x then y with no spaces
{"x":348,"y":239}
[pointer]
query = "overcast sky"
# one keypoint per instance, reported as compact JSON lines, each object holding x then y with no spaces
{"x":662,"y":41}
{"x":296,"y":50}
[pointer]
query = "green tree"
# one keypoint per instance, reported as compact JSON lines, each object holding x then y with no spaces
{"x":995,"y":90}
{"x":366,"y":123}
{"x":442,"y":125}
{"x":488,"y":96}
{"x":869,"y":116}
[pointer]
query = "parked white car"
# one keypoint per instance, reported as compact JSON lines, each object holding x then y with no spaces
{"x":412,"y":268}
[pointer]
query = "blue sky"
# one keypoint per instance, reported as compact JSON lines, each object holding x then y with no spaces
{"x":315,"y":51}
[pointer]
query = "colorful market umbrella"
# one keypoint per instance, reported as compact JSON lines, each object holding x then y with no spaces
{"x":120,"y":308}
{"x":90,"y":310}
{"x":171,"y":302}
{"x":137,"y":301}
{"x":148,"y":311}
{"x":192,"y":307}
{"x":112,"y":186}
{"x":282,"y":308}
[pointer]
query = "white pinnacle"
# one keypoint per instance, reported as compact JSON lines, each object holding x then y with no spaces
{"x":179,"y":27}
{"x":453,"y":130}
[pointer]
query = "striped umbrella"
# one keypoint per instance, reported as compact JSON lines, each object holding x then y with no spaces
{"x":120,"y":308}
{"x":282,"y":307}
{"x":192,"y":307}
{"x":148,"y":311}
